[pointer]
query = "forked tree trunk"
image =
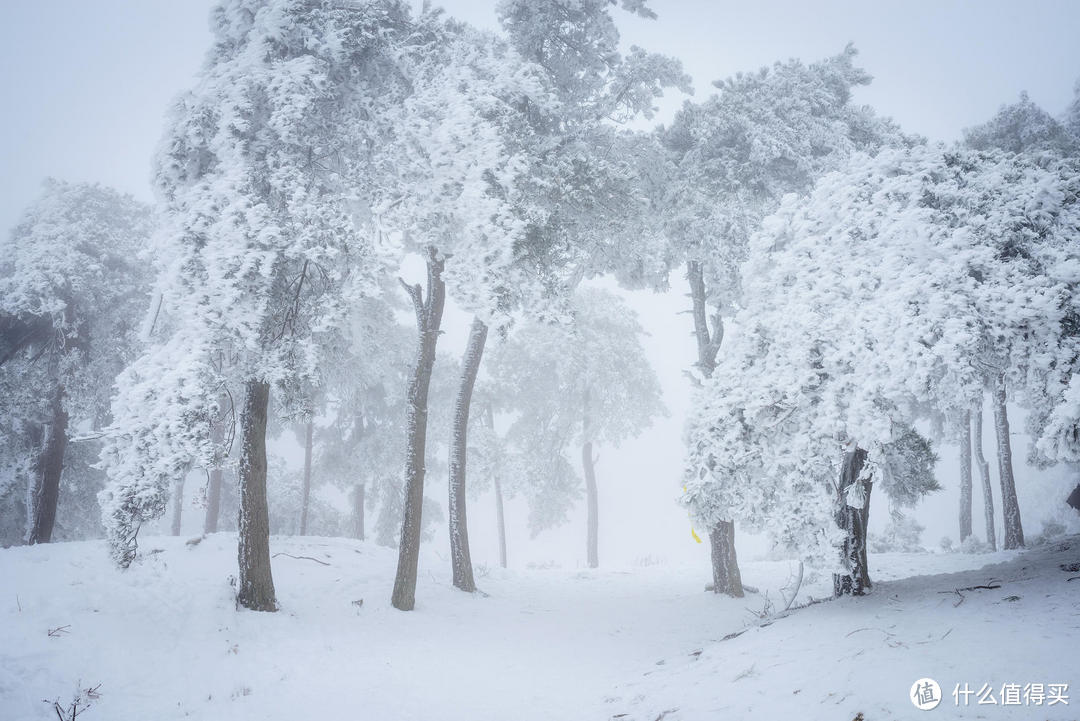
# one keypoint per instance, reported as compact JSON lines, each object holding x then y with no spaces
{"x":853,"y":520}
{"x":305,"y":493}
{"x":725,"y":563}
{"x":256,"y":585}
{"x":213,"y":488}
{"x":358,"y":512}
{"x":177,"y":506}
{"x":984,"y":476}
{"x":1010,"y":507}
{"x":965,"y":478}
{"x":428,"y":319}
{"x":48,"y":468}
{"x":460,"y":557}
{"x":500,"y":516}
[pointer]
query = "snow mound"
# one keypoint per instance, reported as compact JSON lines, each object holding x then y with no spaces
{"x":1014,"y":622}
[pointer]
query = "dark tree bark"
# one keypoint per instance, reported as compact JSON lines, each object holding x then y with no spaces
{"x":965,"y":478}
{"x":725,"y":563}
{"x":853,"y":522}
{"x":256,"y":586}
{"x":358,"y":511}
{"x":48,"y":467}
{"x":1010,"y":507}
{"x":500,"y":516}
{"x":460,"y":557}
{"x":984,"y":476}
{"x":1073,"y":501}
{"x":428,"y":320}
{"x":305,"y":493}
{"x":864,"y":526}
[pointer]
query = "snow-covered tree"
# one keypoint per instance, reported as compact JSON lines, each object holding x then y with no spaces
{"x":1023,"y":127}
{"x":1026,"y":129}
{"x":73,"y":291}
{"x":263,"y":175}
{"x":1071,"y":118}
{"x":585,"y":209}
{"x":573,"y":197}
{"x":489,"y":463}
{"x":585,"y":382}
{"x":845,"y":344}
{"x":730,"y":160}
{"x":448,"y":195}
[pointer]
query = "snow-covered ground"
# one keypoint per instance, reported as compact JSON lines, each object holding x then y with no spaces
{"x":164,"y":640}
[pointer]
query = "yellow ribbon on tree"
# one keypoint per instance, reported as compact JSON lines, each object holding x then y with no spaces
{"x":693,"y":533}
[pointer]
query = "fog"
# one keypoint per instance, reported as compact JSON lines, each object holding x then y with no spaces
{"x":87,"y":85}
{"x":537,"y":334}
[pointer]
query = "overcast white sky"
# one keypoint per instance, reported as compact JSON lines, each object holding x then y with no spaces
{"x":84,"y":85}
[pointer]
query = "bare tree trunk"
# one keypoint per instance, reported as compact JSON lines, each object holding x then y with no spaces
{"x":1010,"y":507}
{"x":965,"y":478}
{"x":727,"y":578}
{"x":305,"y":494}
{"x":588,"y":464}
{"x":725,"y":563}
{"x":864,"y":526}
{"x":358,"y":511}
{"x":500,"y":519}
{"x":592,"y":540}
{"x":178,"y":506}
{"x":48,"y":468}
{"x":853,"y":519}
{"x":460,"y":558}
{"x":428,"y":319}
{"x":708,"y":342}
{"x":256,"y":586}
{"x":213,"y":489}
{"x":984,"y":476}
{"x":500,"y":516}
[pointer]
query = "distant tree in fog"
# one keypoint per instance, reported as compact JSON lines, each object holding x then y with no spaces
{"x":75,"y":279}
{"x":584,"y":383}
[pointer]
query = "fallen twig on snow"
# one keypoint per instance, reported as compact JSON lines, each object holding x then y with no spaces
{"x":990,"y":586}
{"x":80,"y":703}
{"x":300,"y":558}
{"x":59,"y":630}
